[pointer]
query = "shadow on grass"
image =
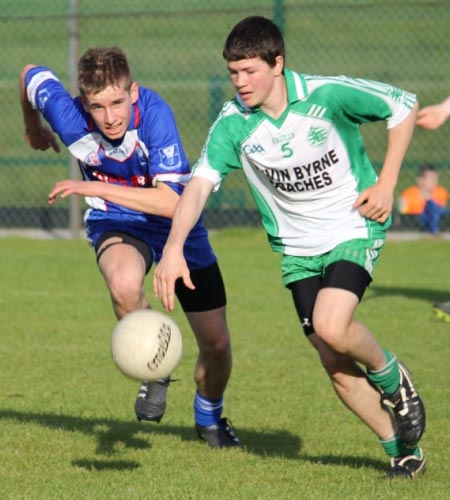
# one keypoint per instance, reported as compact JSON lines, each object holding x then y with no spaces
{"x":346,"y":461}
{"x":99,"y":465}
{"x":110,"y":433}
{"x":431,"y":296}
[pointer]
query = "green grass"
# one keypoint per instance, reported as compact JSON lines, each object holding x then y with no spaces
{"x":68,"y":429}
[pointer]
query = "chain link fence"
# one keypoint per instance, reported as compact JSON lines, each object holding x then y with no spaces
{"x":175,"y":48}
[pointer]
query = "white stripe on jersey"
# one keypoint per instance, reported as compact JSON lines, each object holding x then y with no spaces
{"x":378,"y":88}
{"x":317,"y":111}
{"x":299,"y":86}
{"x":35,"y":81}
{"x":178,"y":178}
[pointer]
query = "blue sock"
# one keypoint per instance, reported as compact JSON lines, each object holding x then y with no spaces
{"x":207,"y":411}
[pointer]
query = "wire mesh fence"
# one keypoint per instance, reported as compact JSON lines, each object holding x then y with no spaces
{"x":175,"y":48}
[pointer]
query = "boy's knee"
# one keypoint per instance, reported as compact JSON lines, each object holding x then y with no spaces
{"x":126,"y":293}
{"x":331,"y":332}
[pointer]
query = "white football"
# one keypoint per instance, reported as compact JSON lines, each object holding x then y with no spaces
{"x":146,"y":345}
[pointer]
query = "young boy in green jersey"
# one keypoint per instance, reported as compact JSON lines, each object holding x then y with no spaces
{"x":297,"y":139}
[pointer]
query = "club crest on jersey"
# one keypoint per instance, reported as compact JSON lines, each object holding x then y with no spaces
{"x":317,"y":136}
{"x":92,"y":159}
{"x":140,"y":180}
{"x":43,"y":97}
{"x":169,"y":157}
{"x":397,"y":94}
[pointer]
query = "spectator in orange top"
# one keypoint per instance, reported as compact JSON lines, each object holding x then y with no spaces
{"x":430,"y":118}
{"x":427,"y":199}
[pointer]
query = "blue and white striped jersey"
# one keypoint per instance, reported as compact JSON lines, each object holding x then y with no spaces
{"x":150,"y":151}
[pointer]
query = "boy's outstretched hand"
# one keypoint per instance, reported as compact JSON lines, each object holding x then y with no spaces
{"x":431,"y":117}
{"x":73,"y":186}
{"x":171,"y":267}
{"x":42,"y":139}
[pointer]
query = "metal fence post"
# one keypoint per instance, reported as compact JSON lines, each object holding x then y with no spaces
{"x":74,"y":43}
{"x":278,"y":14}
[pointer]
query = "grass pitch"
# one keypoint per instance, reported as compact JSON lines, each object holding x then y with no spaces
{"x":68,"y":429}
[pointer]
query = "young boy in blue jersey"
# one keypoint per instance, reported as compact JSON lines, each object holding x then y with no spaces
{"x":297,"y":139}
{"x":133,"y":167}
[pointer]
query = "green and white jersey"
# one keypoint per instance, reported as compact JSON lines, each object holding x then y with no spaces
{"x":306,"y":169}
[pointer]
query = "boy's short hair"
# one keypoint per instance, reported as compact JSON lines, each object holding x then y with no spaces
{"x":100,"y":67}
{"x":426,"y":167}
{"x":254,"y":36}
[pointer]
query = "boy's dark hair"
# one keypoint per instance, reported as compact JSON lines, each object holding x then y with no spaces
{"x":426,"y":167}
{"x":254,"y":36}
{"x":101,"y":67}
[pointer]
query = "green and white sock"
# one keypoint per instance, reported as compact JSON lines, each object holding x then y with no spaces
{"x":388,"y":378}
{"x":396,"y":448}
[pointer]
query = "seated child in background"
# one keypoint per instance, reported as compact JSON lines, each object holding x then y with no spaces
{"x":426,"y":199}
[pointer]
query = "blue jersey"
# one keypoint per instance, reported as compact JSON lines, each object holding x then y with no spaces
{"x":150,"y":151}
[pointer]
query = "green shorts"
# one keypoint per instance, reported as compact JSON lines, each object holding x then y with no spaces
{"x":363,"y":252}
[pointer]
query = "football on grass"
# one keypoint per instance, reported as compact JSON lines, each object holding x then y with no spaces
{"x":146,"y":345}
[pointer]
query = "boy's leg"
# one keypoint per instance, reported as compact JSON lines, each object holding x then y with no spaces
{"x":214,"y":361}
{"x":431,"y":216}
{"x":348,"y":379}
{"x":351,"y":385}
{"x":205,"y":309}
{"x":124,"y":262}
{"x":334,"y":324}
{"x":354,"y":390}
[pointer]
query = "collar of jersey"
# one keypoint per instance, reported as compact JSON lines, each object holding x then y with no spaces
{"x":296,"y":86}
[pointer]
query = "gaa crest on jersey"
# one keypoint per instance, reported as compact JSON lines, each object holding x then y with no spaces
{"x":317,"y":136}
{"x":169,"y":157}
{"x":92,"y":159}
{"x":249,"y":149}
